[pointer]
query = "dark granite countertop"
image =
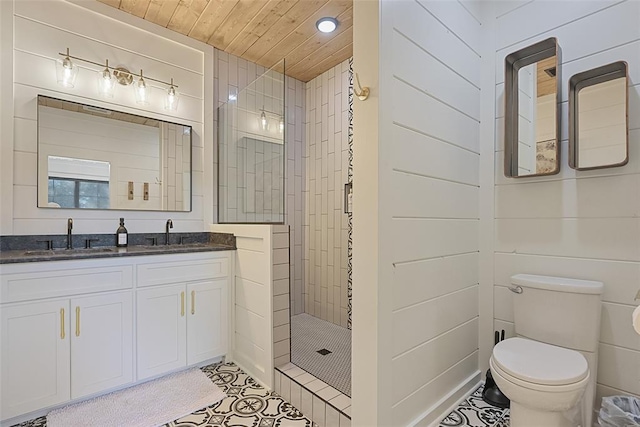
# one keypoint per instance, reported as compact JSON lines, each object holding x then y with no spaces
{"x":19,"y":249}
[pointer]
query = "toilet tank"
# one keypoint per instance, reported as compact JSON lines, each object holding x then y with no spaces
{"x":560,"y":311}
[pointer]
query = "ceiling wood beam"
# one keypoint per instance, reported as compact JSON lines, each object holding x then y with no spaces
{"x":326,"y":64}
{"x":259,"y":25}
{"x":324,"y":52}
{"x":161,"y":11}
{"x":260,"y":31}
{"x":135,"y":7}
{"x":310,"y":46}
{"x":280,"y":29}
{"x":186,"y":15}
{"x":235,"y":22}
{"x":212,"y":16}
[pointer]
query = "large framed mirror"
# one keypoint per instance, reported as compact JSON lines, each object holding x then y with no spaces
{"x":598,"y":117}
{"x":532,"y":110}
{"x":95,"y":158}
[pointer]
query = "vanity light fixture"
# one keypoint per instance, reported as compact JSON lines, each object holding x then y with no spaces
{"x":106,"y":82}
{"x":171,"y":102}
{"x":67,"y":70}
{"x":327,"y":24}
{"x":263,"y":120}
{"x":141,"y":91}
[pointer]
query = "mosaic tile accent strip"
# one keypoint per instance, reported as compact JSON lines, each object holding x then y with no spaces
{"x":350,"y":215}
{"x":475,"y":412}
{"x":310,"y":334}
{"x":247,"y":404}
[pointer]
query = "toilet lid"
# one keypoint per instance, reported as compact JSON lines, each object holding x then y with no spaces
{"x":540,"y":363}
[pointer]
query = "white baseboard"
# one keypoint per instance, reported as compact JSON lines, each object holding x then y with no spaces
{"x":432,"y":416}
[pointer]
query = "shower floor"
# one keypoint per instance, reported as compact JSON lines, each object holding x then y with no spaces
{"x":310,"y":335}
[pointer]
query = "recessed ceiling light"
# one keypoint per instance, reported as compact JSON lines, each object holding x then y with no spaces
{"x":327,"y":24}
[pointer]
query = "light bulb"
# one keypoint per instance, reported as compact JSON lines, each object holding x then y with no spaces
{"x":106,"y":82}
{"x":263,"y":120}
{"x":171,"y":102}
{"x":281,"y":124}
{"x":141,"y":91}
{"x":327,"y":24}
{"x":66,"y":71}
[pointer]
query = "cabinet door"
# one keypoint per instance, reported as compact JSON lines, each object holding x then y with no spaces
{"x":207,"y":320}
{"x":161,"y":330}
{"x":35,"y":356}
{"x":101,"y":342}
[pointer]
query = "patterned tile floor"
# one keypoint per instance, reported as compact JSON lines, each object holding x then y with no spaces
{"x":310,"y":334}
{"x":475,"y":412}
{"x":247,"y":404}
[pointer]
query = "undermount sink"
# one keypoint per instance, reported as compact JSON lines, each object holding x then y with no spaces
{"x":69,"y":251}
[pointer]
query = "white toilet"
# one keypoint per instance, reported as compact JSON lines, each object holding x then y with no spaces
{"x":549,"y":370}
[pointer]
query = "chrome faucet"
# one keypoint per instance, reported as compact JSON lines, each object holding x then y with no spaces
{"x":166,"y":234}
{"x":69,"y":238}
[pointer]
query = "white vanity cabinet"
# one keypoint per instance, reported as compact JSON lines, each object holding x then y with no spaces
{"x":35,"y":356}
{"x":181,"y":314}
{"x":53,"y":351}
{"x":73,"y":329}
{"x":101,"y":332}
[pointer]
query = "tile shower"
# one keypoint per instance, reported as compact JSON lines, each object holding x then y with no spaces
{"x":294,"y":172}
{"x":321,"y":336}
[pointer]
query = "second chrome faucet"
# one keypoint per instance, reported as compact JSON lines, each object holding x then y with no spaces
{"x":168,"y":226}
{"x":69,"y":237}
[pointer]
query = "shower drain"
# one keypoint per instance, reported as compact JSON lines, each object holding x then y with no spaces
{"x":324,"y":351}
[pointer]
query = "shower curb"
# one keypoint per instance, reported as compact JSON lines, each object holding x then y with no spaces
{"x":332,"y":412}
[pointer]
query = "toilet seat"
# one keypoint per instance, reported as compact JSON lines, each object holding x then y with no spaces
{"x":538,"y":365}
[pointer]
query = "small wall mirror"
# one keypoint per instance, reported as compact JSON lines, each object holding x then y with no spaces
{"x":598,"y":117}
{"x":532,"y":114}
{"x":94,"y":158}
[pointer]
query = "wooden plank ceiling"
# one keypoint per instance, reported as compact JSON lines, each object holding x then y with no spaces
{"x":261,"y":31}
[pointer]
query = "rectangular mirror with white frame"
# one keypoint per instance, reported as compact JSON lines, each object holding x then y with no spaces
{"x":532,"y":113}
{"x":95,"y":158}
{"x":598,"y":117}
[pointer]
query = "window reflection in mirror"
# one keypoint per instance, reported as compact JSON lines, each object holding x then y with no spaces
{"x":78,"y":183}
{"x":87,"y":156}
{"x":598,"y":117}
{"x":531,"y":119}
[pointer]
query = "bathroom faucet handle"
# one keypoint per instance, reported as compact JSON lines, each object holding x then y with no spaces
{"x":87,"y":242}
{"x":516,"y":289}
{"x":48,"y":242}
{"x":154,"y":240}
{"x":183,"y":238}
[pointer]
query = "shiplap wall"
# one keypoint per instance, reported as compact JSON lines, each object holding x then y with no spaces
{"x":435,"y":203}
{"x":41,"y":29}
{"x":575,"y":224}
{"x":327,"y":160}
{"x":251,"y":302}
{"x":419,"y":215}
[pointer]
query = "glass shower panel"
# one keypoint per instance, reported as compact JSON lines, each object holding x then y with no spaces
{"x":251,"y":152}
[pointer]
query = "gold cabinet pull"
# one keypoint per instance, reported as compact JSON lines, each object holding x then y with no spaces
{"x":62,"y":323}
{"x":78,"y":321}
{"x":193,"y":302}
{"x":181,"y":303}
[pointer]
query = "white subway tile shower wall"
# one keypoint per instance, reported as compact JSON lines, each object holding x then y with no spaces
{"x":326,"y":229}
